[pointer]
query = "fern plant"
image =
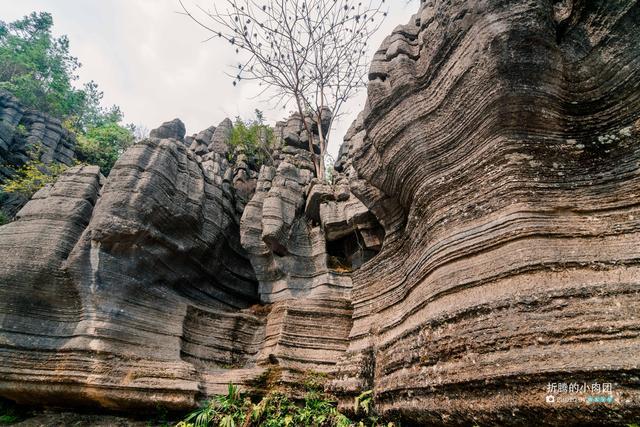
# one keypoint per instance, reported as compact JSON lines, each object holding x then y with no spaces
{"x":277,"y":410}
{"x":223,"y":411}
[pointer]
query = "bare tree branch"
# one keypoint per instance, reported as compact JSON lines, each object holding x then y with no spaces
{"x":310,"y":52}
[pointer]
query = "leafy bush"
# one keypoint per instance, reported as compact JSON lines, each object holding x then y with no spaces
{"x":102,"y":145}
{"x":254,"y":138}
{"x":8,"y":419}
{"x":33,"y":176}
{"x":4,"y":219}
{"x":225,"y":411}
{"x":277,"y":410}
{"x":364,"y":402}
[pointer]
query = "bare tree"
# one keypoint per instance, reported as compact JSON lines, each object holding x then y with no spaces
{"x":140,"y":132}
{"x":312,"y":53}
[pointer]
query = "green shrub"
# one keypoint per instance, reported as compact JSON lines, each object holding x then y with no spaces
{"x":21,"y":130}
{"x":9,"y":413}
{"x":33,"y":176}
{"x":8,"y":419}
{"x":102,"y":145}
{"x":227,"y":411}
{"x":277,"y":410}
{"x":254,"y":138}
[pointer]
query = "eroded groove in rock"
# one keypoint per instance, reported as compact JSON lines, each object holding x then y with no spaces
{"x":513,"y":155}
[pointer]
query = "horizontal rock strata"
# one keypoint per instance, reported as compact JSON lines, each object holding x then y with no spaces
{"x":24,"y":135}
{"x":157,"y":280}
{"x":498,"y":150}
{"x":139,"y":274}
{"x":479,"y":240}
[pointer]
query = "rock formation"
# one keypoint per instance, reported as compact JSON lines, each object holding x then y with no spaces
{"x":146,"y":289}
{"x":497,"y":149}
{"x":26,"y":134}
{"x":479,"y":241}
{"x":173,"y":129}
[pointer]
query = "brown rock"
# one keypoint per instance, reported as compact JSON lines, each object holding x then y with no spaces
{"x":490,"y":151}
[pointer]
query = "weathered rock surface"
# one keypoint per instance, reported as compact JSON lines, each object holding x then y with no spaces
{"x":173,"y":129}
{"x":220,"y":137}
{"x":112,"y":313}
{"x":27,"y":134}
{"x":497,"y":150}
{"x":480,"y":240}
{"x":303,"y":272}
{"x":149,"y":294}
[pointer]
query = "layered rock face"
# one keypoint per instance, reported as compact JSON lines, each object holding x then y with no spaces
{"x":478,"y":248}
{"x":26,"y":134}
{"x":146,"y":289}
{"x":304,"y":241}
{"x":112,"y":311}
{"x":498,"y":150}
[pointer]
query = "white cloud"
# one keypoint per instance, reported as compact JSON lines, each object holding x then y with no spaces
{"x":151,"y":61}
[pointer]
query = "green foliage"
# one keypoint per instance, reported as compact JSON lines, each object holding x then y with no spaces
{"x":37,"y":67}
{"x":103,"y":144}
{"x":21,"y":130}
{"x":4,"y":219}
{"x":33,"y":176}
{"x":40,"y":71}
{"x":223,"y":411}
{"x":277,"y":410}
{"x":314,"y":381}
{"x":364,"y":406}
{"x":8,"y":419}
{"x":92,"y":114}
{"x":254,"y":138}
{"x":9,"y":414}
{"x":364,"y":402}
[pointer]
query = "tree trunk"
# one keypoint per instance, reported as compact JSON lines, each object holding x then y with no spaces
{"x":323,"y":148}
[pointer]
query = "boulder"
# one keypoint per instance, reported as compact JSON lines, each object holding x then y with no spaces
{"x":173,"y":129}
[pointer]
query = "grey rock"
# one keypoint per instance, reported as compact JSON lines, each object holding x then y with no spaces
{"x":220,"y":138}
{"x":173,"y":129}
{"x":318,"y":193}
{"x":27,"y":134}
{"x":487,"y":273}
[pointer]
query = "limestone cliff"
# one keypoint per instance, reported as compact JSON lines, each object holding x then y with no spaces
{"x":480,"y":240}
{"x":147,"y":286}
{"x":498,"y":149}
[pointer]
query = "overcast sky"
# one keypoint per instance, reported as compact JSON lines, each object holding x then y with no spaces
{"x":152,"y":62}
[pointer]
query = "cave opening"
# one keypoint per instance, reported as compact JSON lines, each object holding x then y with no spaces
{"x":350,"y":250}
